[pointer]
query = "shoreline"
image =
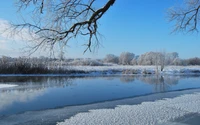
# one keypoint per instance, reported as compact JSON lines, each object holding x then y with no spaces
{"x":114,"y":70}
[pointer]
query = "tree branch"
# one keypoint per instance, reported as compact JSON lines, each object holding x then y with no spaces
{"x":185,"y":18}
{"x":62,"y":21}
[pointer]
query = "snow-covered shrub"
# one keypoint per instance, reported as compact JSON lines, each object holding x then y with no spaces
{"x":131,"y":71}
{"x":145,"y":71}
{"x":85,"y":62}
{"x":194,"y":61}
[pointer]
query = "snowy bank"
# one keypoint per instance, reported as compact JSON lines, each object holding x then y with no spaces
{"x":6,"y":86}
{"x":122,"y":69}
{"x":110,"y":70}
{"x":146,"y":113}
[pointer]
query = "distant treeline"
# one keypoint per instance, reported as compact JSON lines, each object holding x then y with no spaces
{"x":45,"y":65}
{"x":150,"y":58}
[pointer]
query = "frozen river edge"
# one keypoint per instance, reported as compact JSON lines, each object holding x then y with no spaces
{"x":164,"y":111}
{"x":84,"y":114}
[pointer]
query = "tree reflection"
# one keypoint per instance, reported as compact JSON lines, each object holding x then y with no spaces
{"x":35,"y":83}
{"x":127,"y":79}
{"x":160,"y":83}
{"x":29,"y":88}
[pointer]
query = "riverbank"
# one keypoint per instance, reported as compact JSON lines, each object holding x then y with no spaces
{"x":107,"y":70}
{"x":129,"y":70}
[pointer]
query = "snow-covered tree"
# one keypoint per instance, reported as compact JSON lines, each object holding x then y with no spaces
{"x":110,"y":58}
{"x":178,"y":61}
{"x":170,"y":57}
{"x":126,"y":57}
{"x":149,"y":58}
{"x":134,"y":61}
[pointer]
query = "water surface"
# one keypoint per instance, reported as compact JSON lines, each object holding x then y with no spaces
{"x":42,"y":92}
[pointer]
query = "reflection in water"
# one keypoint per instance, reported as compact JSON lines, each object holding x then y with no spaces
{"x":157,"y":79}
{"x":127,"y":79}
{"x":40,"y":93}
{"x":109,"y":78}
{"x":8,"y":98}
{"x":160,"y":83}
{"x":151,"y":79}
{"x":29,"y":88}
{"x":35,"y":83}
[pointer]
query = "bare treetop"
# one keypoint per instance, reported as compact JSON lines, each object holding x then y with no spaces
{"x":186,"y":17}
{"x":58,"y":21}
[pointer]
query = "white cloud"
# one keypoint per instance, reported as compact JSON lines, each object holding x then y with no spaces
{"x":13,"y":43}
{"x":7,"y":32}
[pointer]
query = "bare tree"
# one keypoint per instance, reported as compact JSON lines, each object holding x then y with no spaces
{"x":170,"y":57}
{"x":186,"y":17}
{"x":162,"y":60}
{"x":62,"y":20}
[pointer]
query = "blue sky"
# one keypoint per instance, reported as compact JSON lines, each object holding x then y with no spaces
{"x":136,"y":26}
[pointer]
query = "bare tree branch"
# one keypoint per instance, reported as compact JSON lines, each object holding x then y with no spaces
{"x":186,"y":18}
{"x":62,"y":20}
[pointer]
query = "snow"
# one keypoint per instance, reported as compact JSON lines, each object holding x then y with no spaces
{"x":6,"y":86}
{"x":127,"y":69}
{"x":120,"y":70}
{"x":151,"y":113}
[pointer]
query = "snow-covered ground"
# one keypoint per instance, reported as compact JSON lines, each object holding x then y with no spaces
{"x":146,"y":113}
{"x":6,"y":86}
{"x":121,"y":69}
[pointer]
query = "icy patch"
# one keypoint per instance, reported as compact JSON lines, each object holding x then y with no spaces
{"x":146,"y":113}
{"x":6,"y":86}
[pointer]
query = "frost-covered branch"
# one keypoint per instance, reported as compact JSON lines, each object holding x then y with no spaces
{"x":62,"y":20}
{"x":186,"y":17}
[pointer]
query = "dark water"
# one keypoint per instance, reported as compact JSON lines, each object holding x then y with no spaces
{"x":40,"y":93}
